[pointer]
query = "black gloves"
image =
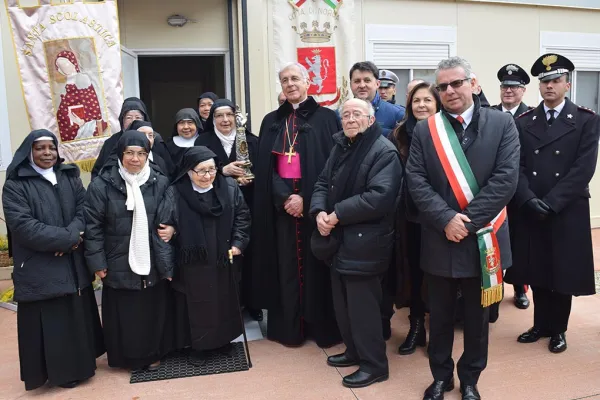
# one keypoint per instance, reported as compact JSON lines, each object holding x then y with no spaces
{"x":538,"y":207}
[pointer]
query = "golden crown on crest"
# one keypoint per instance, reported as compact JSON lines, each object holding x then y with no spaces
{"x":316,"y":35}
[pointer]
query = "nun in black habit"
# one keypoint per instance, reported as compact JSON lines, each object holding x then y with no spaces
{"x":124,"y":208}
{"x":159,"y":154}
{"x":185,"y":132}
{"x":58,"y":325}
{"x":132,"y":109}
{"x":220,"y":137}
{"x":213,"y":224}
{"x":205,"y":103}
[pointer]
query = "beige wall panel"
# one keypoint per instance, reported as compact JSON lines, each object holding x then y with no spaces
{"x":144,"y":24}
{"x":489,"y":51}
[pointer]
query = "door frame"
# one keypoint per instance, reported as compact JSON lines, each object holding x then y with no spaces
{"x":166,"y":52}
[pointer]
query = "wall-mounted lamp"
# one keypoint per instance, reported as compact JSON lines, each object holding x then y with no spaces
{"x":178,"y":20}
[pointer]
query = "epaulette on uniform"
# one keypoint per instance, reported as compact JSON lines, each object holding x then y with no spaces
{"x":586,"y":109}
{"x":526,"y":112}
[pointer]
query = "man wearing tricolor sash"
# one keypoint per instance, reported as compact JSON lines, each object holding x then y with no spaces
{"x":462,"y":171}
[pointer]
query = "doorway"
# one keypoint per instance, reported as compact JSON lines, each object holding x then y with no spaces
{"x":170,"y":83}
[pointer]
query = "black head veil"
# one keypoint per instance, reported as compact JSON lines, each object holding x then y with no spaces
{"x":187,"y":113}
{"x":209,"y":126}
{"x":132,"y":138}
{"x":23,"y":152}
{"x":192,"y":157}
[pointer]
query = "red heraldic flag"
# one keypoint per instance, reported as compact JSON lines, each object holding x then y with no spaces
{"x":320,"y":63}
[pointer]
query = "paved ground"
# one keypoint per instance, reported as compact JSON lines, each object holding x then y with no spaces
{"x":515,"y":371}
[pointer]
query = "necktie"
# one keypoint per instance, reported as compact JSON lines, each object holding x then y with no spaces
{"x":460,"y":119}
{"x":508,"y":112}
{"x":551,"y":119}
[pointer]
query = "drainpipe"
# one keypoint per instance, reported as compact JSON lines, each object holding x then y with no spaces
{"x":246,"y":63}
{"x":231,"y":49}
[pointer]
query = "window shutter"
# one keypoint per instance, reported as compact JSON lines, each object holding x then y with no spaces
{"x":581,"y":58}
{"x":409,"y":55}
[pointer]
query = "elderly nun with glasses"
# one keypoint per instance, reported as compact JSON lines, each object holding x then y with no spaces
{"x":214,"y":230}
{"x":125,"y":207}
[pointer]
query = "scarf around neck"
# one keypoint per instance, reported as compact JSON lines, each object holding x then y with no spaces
{"x":192,"y":215}
{"x":226,"y":141}
{"x":139,"y":242}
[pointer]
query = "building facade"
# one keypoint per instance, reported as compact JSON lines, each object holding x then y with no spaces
{"x":226,"y":46}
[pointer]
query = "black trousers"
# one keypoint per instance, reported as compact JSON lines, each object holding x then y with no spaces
{"x":356,"y":300}
{"x":442,"y":307}
{"x":551,"y":310}
{"x":413,"y":243}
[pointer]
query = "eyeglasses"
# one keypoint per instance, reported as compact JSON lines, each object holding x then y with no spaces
{"x":222,"y":116}
{"x":442,"y":87}
{"x":203,"y":172}
{"x":353,"y":116}
{"x":131,"y":154}
{"x":513,"y":87}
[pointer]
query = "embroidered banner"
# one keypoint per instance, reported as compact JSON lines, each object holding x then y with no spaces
{"x":319,"y":34}
{"x":70,"y":64}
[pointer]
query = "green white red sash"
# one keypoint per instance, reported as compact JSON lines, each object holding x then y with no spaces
{"x":465,"y":188}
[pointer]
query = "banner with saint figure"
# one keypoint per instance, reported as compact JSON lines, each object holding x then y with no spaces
{"x":319,"y":34}
{"x":70,"y":66}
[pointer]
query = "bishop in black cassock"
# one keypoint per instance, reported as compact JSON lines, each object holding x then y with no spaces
{"x":287,"y":280}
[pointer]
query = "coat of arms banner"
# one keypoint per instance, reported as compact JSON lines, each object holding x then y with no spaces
{"x":70,"y":64}
{"x":319,"y":34}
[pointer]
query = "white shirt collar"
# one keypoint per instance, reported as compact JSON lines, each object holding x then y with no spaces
{"x":180,"y":141}
{"x":512,"y":110}
{"x":299,"y":104}
{"x":558,"y":109}
{"x":467,"y":116}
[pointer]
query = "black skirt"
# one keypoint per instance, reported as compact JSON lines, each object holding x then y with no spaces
{"x":135,"y":325}
{"x":59,"y":339}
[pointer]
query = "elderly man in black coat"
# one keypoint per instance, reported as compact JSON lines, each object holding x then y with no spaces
{"x":461,"y":173}
{"x":553,"y":240}
{"x":354,"y":202}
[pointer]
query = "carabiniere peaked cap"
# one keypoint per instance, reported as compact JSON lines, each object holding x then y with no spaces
{"x":387,"y":78}
{"x":513,"y":75}
{"x":551,"y":66}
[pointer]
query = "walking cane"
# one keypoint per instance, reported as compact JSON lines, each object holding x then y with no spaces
{"x":237,"y":297}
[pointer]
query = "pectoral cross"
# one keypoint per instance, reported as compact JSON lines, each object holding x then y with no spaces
{"x":290,"y":154}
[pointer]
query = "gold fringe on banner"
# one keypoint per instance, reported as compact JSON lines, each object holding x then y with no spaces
{"x":491,"y":295}
{"x":85,"y":165}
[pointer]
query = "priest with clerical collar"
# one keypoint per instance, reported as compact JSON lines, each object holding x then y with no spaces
{"x":294,"y":143}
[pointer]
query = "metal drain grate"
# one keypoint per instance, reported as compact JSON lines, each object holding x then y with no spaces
{"x":177,"y":366}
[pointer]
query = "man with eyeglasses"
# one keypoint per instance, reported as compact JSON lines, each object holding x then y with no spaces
{"x":553,"y":246}
{"x":354,"y":202}
{"x":513,"y":80}
{"x":287,"y":280}
{"x":462,"y":171}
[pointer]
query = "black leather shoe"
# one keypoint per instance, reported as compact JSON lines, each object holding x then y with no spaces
{"x":256,"y":315}
{"x":416,"y":336}
{"x":558,"y":343}
{"x":197,"y":358}
{"x":521,"y":301}
{"x":361,"y":379}
{"x":494,"y":312}
{"x":469,"y":392}
{"x":70,"y":385}
{"x":341,"y":360}
{"x":532,"y":335}
{"x":436,"y":390}
{"x":386,"y":327}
